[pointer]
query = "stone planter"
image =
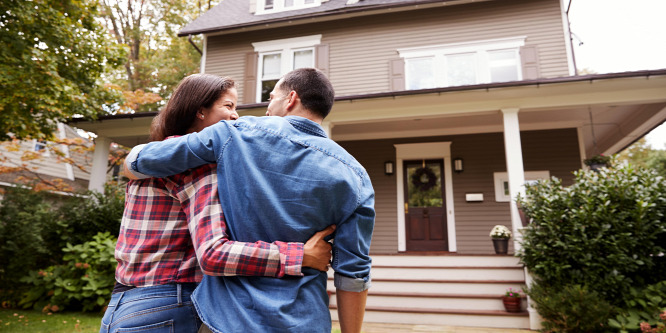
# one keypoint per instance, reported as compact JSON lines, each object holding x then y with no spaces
{"x":501,"y":245}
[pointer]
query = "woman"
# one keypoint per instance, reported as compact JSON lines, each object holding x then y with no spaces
{"x":173,"y":228}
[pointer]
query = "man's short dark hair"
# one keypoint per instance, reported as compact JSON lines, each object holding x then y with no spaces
{"x":313,"y":88}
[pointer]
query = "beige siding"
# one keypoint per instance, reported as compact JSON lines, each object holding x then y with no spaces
{"x":483,"y":154}
{"x":361,"y":48}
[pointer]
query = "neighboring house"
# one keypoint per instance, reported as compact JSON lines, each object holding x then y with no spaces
{"x":47,"y":162}
{"x":451,"y":106}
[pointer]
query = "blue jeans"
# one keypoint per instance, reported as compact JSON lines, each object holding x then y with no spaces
{"x":163,"y":308}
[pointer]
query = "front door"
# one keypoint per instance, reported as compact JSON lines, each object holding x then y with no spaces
{"x":425,"y":206}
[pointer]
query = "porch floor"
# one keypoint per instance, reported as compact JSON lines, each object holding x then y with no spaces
{"x":407,"y":328}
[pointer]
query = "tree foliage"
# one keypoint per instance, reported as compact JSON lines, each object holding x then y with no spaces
{"x":641,"y":154}
{"x":156,"y":60}
{"x":52,"y":58}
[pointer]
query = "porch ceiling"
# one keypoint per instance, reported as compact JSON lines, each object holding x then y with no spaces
{"x":623,"y":109}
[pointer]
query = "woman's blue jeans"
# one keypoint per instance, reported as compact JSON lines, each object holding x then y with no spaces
{"x":163,"y":308}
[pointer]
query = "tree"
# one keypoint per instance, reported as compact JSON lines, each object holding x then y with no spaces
{"x":157,"y":61}
{"x":641,"y":154}
{"x":52,"y":59}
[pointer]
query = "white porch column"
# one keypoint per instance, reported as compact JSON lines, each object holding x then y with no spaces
{"x":516,"y":174}
{"x":100,"y":164}
{"x":514,"y":168}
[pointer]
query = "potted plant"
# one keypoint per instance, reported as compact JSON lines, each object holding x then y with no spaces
{"x":512,"y":300}
{"x":500,"y":235}
{"x":597,"y":162}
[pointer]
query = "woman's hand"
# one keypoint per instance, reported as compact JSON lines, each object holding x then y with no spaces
{"x":317,"y":251}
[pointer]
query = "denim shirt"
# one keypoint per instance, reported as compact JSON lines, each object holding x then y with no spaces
{"x":279,"y":179}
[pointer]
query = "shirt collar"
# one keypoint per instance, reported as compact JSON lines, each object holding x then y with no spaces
{"x":306,"y":125}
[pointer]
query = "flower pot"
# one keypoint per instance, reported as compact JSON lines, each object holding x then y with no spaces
{"x":512,"y":304}
{"x":597,"y":166}
{"x":501,"y":245}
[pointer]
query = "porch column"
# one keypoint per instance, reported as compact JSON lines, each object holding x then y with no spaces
{"x":516,"y":174}
{"x":100,"y":164}
{"x":514,"y":168}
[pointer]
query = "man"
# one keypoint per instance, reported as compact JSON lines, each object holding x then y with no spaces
{"x":284,"y":174}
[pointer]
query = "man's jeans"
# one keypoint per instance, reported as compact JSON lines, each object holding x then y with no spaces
{"x":164,"y":308}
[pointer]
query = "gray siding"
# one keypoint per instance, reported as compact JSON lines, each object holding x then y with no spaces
{"x":361,"y":48}
{"x":483,"y":154}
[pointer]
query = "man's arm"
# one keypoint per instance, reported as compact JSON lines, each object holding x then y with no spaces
{"x":351,"y":260}
{"x":175,"y":155}
{"x":219,"y":256}
{"x":351,"y":309}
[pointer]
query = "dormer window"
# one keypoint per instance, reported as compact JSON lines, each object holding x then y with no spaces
{"x":273,"y":6}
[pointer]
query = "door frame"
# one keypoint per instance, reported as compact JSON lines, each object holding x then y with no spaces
{"x":429,"y":151}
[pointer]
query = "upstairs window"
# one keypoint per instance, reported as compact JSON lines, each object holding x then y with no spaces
{"x":279,"y":57}
{"x":463,"y":63}
{"x":273,"y":6}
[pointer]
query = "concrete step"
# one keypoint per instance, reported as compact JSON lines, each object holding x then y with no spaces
{"x":499,"y":273}
{"x":442,"y":287}
{"x":498,"y":319}
{"x":432,"y":301}
{"x":446,"y":260}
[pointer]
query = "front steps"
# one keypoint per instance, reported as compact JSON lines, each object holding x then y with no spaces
{"x":451,"y":290}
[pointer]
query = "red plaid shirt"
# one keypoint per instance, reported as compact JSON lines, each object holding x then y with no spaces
{"x":171,"y":222}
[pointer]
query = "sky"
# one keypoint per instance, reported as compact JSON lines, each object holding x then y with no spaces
{"x":620,"y":36}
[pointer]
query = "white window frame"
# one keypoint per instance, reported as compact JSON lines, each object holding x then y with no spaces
{"x":286,"y":48}
{"x":479,"y":48}
{"x":44,"y":150}
{"x":278,"y":6}
{"x":501,"y":180}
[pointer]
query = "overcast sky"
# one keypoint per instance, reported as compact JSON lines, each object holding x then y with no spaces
{"x":619,"y":36}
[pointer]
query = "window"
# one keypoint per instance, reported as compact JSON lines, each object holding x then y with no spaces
{"x":502,"y":183}
{"x":273,"y":6}
{"x":463,"y":63}
{"x":278,"y":57}
{"x":40,"y":147}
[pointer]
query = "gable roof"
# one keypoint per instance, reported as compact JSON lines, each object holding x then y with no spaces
{"x":234,"y":14}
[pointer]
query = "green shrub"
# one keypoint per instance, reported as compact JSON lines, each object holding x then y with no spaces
{"x":572,"y":308}
{"x":83,"y":282}
{"x":606,"y":232}
{"x":641,"y":305}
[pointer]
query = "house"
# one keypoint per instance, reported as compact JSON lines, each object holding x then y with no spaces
{"x":63,"y":165}
{"x":451,"y":106}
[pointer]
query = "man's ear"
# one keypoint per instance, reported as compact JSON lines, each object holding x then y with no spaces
{"x":294,"y":100}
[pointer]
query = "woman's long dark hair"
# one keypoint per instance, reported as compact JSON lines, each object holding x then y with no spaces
{"x":193,"y":93}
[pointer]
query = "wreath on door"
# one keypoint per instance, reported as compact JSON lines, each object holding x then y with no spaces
{"x":424,"y":179}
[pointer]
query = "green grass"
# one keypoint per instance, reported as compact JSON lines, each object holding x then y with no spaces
{"x":33,"y":321}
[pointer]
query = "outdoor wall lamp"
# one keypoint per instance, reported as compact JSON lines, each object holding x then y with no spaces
{"x":388,"y":168}
{"x":458,"y":165}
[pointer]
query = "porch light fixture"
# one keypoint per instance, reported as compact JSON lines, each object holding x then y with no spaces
{"x":458,"y":165}
{"x":388,"y":168}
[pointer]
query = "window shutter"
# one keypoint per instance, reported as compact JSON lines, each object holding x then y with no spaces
{"x":250,"y":79}
{"x":397,"y":74}
{"x":529,"y":58}
{"x":321,"y":60}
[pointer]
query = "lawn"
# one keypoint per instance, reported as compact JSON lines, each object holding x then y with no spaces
{"x":12,"y":320}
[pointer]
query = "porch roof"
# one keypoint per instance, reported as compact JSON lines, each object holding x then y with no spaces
{"x":619,"y":108}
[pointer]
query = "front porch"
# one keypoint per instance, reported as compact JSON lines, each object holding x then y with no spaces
{"x":442,"y":290}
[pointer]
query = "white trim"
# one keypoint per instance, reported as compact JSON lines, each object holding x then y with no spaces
{"x":430,"y":150}
{"x":65,"y":150}
{"x":203,"y":54}
{"x":465,"y":47}
{"x":100,"y":163}
{"x":278,"y":6}
{"x":287,"y":43}
{"x":567,"y":38}
{"x":501,"y":179}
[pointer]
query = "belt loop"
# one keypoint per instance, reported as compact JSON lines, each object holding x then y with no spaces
{"x":180,"y":294}
{"x":115,"y":302}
